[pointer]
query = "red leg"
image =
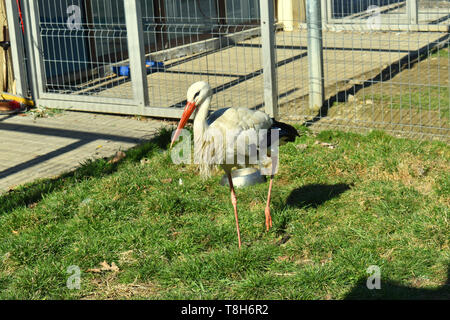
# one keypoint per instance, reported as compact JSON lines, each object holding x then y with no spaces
{"x":234,"y":202}
{"x":267,"y":211}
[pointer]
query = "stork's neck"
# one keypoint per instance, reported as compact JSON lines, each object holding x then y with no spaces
{"x":200,"y":124}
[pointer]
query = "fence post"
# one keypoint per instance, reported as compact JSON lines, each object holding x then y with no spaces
{"x":268,"y":58}
{"x":412,"y":10}
{"x":329,"y":10}
{"x":33,"y":47}
{"x":136,"y":50}
{"x":17,"y":49}
{"x":315,"y":54}
{"x":324,"y":12}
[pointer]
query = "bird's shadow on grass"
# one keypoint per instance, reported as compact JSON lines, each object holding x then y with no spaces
{"x":314,"y":195}
{"x":390,"y":290}
{"x":309,"y":196}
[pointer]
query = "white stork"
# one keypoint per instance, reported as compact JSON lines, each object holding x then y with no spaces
{"x":235,"y":120}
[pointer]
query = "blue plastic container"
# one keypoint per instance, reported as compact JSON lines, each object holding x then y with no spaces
{"x":151,"y":66}
{"x":121,"y":71}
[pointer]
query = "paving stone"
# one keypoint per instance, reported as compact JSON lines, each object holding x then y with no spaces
{"x":32,"y":148}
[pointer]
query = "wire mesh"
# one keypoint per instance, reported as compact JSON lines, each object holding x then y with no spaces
{"x":393,"y":14}
{"x":215,"y":41}
{"x":381,"y":70}
{"x":385,"y":62}
{"x":84,"y":43}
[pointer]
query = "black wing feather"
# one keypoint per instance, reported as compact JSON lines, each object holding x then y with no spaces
{"x":287,"y":133}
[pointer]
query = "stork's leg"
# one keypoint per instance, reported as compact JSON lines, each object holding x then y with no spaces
{"x":234,"y":202}
{"x":267,"y":211}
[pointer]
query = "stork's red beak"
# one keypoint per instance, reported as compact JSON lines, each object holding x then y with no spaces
{"x":188,"y":110}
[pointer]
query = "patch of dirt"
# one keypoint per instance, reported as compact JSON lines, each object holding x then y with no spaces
{"x":106,"y":286}
{"x":109,"y":289}
{"x":105,"y":267}
{"x":7,"y":266}
{"x":424,"y":283}
{"x":410,"y":172}
{"x":127,"y":258}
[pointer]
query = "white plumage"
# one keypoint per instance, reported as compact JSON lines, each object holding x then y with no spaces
{"x":216,"y":137}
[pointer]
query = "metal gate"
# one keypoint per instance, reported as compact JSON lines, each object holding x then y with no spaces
{"x":350,"y":64}
{"x":126,"y":56}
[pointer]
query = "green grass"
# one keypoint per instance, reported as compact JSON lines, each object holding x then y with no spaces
{"x":372,"y":200}
{"x":441,"y":53}
{"x":43,"y":112}
{"x":427,"y":95}
{"x":428,"y":98}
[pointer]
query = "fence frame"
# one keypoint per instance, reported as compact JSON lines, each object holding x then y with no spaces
{"x":269,"y":58}
{"x":138,"y":105}
{"x":315,"y":54}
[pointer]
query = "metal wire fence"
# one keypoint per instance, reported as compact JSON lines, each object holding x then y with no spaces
{"x":394,"y":73}
{"x":80,"y":54}
{"x":196,"y":42}
{"x":382,"y":63}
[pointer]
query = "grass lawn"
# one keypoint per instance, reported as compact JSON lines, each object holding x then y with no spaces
{"x":430,"y":92}
{"x":369,"y":200}
{"x":418,"y":96}
{"x":415,"y":97}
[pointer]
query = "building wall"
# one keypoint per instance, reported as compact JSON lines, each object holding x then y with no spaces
{"x":343,"y":8}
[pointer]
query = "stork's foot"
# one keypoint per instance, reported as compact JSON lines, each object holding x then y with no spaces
{"x":268,"y":219}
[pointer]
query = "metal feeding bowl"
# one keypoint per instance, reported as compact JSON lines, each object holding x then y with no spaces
{"x":244,"y":177}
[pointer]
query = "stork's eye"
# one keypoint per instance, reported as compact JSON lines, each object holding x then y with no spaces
{"x":196,"y":94}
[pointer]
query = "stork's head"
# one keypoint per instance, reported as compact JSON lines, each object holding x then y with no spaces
{"x":198,"y":92}
{"x":196,"y":95}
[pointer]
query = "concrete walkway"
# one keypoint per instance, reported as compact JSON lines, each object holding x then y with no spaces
{"x":32,"y":148}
